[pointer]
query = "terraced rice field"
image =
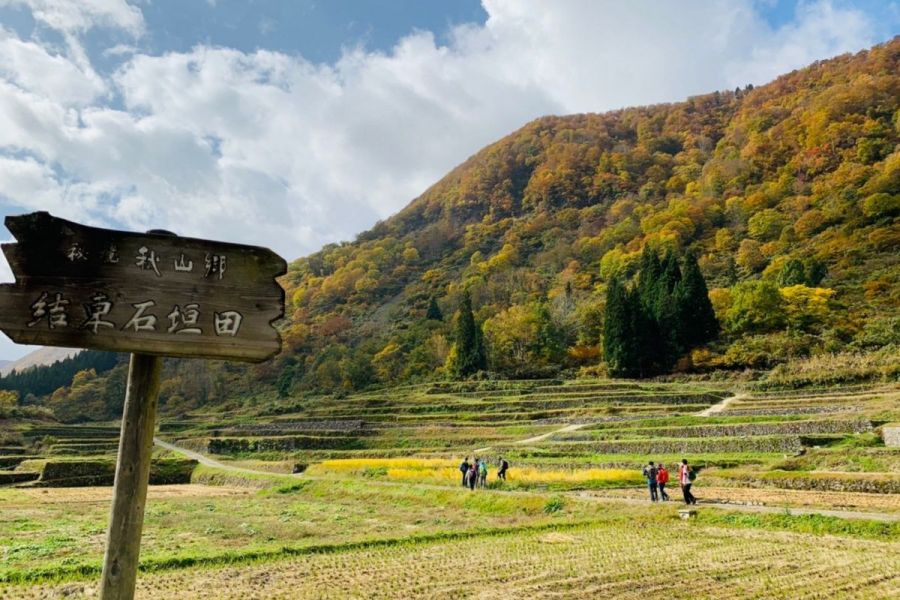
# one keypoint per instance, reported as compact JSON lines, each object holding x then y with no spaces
{"x":622,"y":561}
{"x":568,"y":429}
{"x":378,"y":510}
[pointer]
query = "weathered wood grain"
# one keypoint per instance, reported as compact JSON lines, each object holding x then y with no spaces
{"x":158,"y":294}
{"x":123,"y":538}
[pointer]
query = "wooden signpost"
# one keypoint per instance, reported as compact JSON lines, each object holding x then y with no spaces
{"x":153,"y":295}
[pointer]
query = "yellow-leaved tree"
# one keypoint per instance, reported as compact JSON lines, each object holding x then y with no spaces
{"x":8,"y":399}
{"x":807,"y":308}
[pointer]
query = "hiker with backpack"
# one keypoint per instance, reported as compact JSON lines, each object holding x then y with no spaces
{"x":650,"y":473}
{"x":662,"y":478}
{"x":464,"y":469}
{"x":504,"y":466}
{"x":686,"y":477}
{"x":472,"y":475}
{"x":482,"y":474}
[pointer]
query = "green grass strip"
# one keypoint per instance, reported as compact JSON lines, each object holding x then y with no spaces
{"x":805,"y":523}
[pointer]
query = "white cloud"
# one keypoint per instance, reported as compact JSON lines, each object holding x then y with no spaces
{"x":819,"y":31}
{"x":31,"y":67}
{"x":6,"y":275}
{"x":271,"y":149}
{"x":8,"y":350}
{"x":78,"y":16}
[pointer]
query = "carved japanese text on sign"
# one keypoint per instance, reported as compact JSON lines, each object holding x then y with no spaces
{"x":153,"y":293}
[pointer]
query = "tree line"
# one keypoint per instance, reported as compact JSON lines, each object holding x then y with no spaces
{"x":649,"y":323}
{"x":43,"y":380}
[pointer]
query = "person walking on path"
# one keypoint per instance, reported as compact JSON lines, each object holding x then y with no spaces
{"x":504,"y":467}
{"x":686,"y":477}
{"x":472,"y":475}
{"x":650,"y":474}
{"x":662,"y":478}
{"x":464,"y":469}
{"x":482,"y":474}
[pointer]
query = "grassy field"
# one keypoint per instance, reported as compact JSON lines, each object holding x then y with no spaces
{"x":618,"y":559}
{"x":378,"y":510}
{"x":60,"y":532}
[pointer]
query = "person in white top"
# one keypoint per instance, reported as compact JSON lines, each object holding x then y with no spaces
{"x":686,"y":479}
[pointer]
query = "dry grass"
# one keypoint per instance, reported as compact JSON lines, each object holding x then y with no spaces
{"x":635,"y":560}
{"x":32,"y":497}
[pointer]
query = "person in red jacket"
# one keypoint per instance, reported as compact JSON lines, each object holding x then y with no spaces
{"x":662,"y":478}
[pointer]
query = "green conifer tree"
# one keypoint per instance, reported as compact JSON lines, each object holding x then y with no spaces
{"x":650,"y":271}
{"x":665,"y":347}
{"x":619,"y":344}
{"x":793,"y":273}
{"x":434,"y":311}
{"x":645,"y":336}
{"x":470,"y":354}
{"x":671,"y":273}
{"x":549,"y":344}
{"x":652,"y":315}
{"x":695,"y":312}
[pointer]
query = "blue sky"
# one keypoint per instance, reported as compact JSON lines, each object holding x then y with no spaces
{"x":298,"y":123}
{"x":316,"y":30}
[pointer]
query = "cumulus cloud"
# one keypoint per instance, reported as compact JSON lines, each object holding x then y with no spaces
{"x":271,"y":149}
{"x":78,"y":16}
{"x":33,"y":68}
{"x":819,"y":31}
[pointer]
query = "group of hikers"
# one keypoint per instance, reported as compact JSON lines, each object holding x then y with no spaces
{"x":657,"y":477}
{"x":476,"y":473}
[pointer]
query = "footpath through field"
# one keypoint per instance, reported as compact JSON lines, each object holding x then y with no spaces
{"x":756,"y":508}
{"x":712,"y":410}
{"x":205,"y":460}
{"x":721,"y":406}
{"x":582,"y":494}
{"x":540,"y":438}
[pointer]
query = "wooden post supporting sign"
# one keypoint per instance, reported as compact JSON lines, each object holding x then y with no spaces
{"x":153,"y":295}
{"x":132,"y":474}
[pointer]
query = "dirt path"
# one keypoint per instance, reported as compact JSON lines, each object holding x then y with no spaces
{"x":721,"y":406}
{"x":211,"y":462}
{"x":757,"y":508}
{"x":540,"y":438}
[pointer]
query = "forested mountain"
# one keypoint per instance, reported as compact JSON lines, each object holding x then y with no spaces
{"x":787,"y":193}
{"x":787,"y":196}
{"x":57,"y":384}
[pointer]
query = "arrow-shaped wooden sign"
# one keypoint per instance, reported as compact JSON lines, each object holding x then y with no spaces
{"x":153,"y":293}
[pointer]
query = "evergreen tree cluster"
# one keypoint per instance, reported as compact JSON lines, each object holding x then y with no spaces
{"x":469,"y":356}
{"x":649,"y":325}
{"x":802,"y":272}
{"x":45,"y":379}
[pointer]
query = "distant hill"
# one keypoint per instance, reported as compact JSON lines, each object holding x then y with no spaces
{"x":41,"y":356}
{"x":788,"y":194}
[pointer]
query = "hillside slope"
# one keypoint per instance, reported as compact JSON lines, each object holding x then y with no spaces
{"x":41,"y":356}
{"x":794,"y":183}
{"x":788,"y":194}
